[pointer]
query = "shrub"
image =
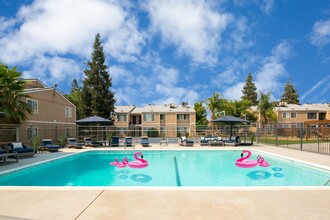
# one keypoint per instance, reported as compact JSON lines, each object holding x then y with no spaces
{"x":152,"y":132}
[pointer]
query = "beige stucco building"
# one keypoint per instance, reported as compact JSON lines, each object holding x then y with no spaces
{"x":291,"y":113}
{"x":168,"y":119}
{"x":52,"y":114}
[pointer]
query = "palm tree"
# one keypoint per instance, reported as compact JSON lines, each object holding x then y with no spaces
{"x":11,"y":97}
{"x":213,"y":104}
{"x":265,"y":108}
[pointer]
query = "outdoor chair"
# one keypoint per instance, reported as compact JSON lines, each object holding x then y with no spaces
{"x":21,"y":149}
{"x":114,"y":141}
{"x":71,"y":143}
{"x":47,"y":144}
{"x":145,"y":141}
{"x":163,"y":141}
{"x":128,"y":142}
{"x":185,"y":142}
{"x":233,"y":141}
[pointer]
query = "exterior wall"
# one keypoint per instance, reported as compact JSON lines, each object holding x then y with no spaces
{"x":51,"y":107}
{"x":301,"y":116}
{"x":50,"y":121}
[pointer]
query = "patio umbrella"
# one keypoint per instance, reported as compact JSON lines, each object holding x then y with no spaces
{"x":94,"y":120}
{"x":230,"y":120}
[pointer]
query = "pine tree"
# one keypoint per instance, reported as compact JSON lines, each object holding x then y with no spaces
{"x":250,"y":90}
{"x":290,"y":94}
{"x":97,"y":97}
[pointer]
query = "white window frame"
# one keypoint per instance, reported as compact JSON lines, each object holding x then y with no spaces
{"x":68,"y":112}
{"x":311,"y":113}
{"x":148,"y":117}
{"x":285,"y":115}
{"x":295,"y":114}
{"x":285,"y":126}
{"x":121,"y":117}
{"x":145,"y":129}
{"x":182,"y":129}
{"x":34,"y":105}
{"x":183,"y":116}
{"x":31,"y":131}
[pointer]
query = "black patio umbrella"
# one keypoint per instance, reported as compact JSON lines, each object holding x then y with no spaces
{"x":230,"y":120}
{"x":94,"y":120}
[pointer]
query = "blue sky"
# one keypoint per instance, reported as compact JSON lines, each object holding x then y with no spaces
{"x":173,"y":50}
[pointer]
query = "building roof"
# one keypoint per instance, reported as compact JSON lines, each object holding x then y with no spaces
{"x":124,"y":109}
{"x":154,"y":108}
{"x":164,"y":109}
{"x":304,"y":107}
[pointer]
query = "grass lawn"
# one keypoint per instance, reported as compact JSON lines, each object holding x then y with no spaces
{"x":284,"y":141}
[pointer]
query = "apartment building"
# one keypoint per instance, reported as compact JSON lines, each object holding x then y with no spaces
{"x":169,"y":119}
{"x":52,"y":114}
{"x":307,"y":113}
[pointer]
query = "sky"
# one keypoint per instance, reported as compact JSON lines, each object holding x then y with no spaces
{"x":173,"y":51}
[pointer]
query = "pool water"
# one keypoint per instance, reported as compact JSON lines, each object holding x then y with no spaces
{"x":166,"y":168}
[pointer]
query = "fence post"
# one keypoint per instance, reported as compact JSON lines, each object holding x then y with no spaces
{"x":276,"y":134}
{"x":257,"y":125}
{"x":17,"y":134}
{"x":301,"y":135}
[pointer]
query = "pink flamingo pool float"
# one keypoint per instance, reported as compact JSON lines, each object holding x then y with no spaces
{"x":121,"y":164}
{"x":262,"y":162}
{"x":139,"y":162}
{"x":243,"y":162}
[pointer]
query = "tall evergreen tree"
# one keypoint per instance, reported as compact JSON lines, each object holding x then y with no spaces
{"x":97,"y":97}
{"x":290,"y":94}
{"x":250,"y":90}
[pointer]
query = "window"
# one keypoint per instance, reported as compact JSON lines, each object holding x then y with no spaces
{"x":162,"y":130}
{"x":31,"y":132}
{"x":67,"y":132}
{"x":293,"y":115}
{"x":162,"y":117}
{"x":68,"y":112}
{"x":33,"y":104}
{"x":182,"y":116}
{"x":285,"y":115}
{"x":284,"y":126}
{"x":311,"y":115}
{"x":182,"y":129}
{"x":148,"y":117}
{"x":121,"y":117}
{"x":146,"y":129}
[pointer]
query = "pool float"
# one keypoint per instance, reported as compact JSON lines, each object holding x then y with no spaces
{"x":244,"y":163}
{"x":121,"y":164}
{"x":262,"y":162}
{"x":139,"y":162}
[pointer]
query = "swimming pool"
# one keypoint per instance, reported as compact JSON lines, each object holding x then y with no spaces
{"x":166,"y":168}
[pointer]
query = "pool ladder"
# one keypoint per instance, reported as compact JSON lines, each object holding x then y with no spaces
{"x":327,"y":183}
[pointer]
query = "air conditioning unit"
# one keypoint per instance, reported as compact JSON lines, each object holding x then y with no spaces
{"x":172,"y":105}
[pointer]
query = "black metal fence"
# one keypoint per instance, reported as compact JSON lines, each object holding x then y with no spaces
{"x":299,"y":136}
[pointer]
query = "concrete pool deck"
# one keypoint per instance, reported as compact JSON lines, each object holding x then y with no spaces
{"x":167,"y":202}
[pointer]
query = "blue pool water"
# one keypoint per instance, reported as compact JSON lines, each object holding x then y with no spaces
{"x":166,"y":168}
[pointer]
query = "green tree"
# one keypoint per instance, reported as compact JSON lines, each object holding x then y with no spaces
{"x":97,"y":97}
{"x":250,"y":90}
{"x":290,"y":94}
{"x":11,"y":98}
{"x":75,"y":98}
{"x":214,"y":104}
{"x":240,"y":109}
{"x":201,"y":115}
{"x":266,"y":109}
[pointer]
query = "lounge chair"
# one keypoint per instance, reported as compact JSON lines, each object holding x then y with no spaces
{"x":128,"y":142}
{"x":47,"y":144}
{"x":203,"y":141}
{"x":185,"y":142}
{"x":233,"y":141}
{"x":21,"y":149}
{"x":114,"y":141}
{"x":163,"y":141}
{"x":5,"y":154}
{"x":144,"y":141}
{"x":217,"y":142}
{"x":88,"y":142}
{"x":71,"y":143}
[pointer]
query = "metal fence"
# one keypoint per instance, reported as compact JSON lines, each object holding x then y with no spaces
{"x":299,"y":136}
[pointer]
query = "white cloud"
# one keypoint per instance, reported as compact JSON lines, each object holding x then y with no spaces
{"x":60,"y":26}
{"x":60,"y":69}
{"x":193,"y":26}
{"x":267,"y":6}
{"x":320,"y":36}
